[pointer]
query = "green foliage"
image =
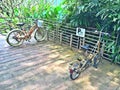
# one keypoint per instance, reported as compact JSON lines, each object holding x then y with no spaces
{"x":101,"y":14}
{"x":94,"y":13}
{"x":44,"y":11}
{"x":116,"y":54}
{"x":1,"y":20}
{"x":83,"y":13}
{"x":54,"y":13}
{"x":30,"y":9}
{"x":114,"y":48}
{"x":110,"y":12}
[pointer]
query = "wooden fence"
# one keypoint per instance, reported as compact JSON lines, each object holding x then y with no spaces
{"x":64,"y":34}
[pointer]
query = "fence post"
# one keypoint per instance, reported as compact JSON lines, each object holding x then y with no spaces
{"x":102,"y":49}
{"x":71,"y":37}
{"x":53,"y":36}
{"x":57,"y":30}
{"x":83,"y":40}
{"x":80,"y":43}
{"x":60,"y":38}
{"x":47,"y":35}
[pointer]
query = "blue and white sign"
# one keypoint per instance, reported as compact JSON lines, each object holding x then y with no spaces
{"x":39,"y":23}
{"x":80,"y":32}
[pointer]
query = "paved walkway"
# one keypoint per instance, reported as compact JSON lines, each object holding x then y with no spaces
{"x":44,"y":66}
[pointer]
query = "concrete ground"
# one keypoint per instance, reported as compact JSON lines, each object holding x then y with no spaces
{"x":44,"y":66}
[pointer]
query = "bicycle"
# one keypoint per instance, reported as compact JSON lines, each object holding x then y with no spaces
{"x":94,"y":58}
{"x":17,"y":36}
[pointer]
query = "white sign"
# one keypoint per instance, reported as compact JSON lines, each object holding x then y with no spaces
{"x":39,"y":23}
{"x":80,"y":32}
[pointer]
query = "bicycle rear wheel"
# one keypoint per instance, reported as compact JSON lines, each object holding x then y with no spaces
{"x":13,"y":38}
{"x":97,"y":60}
{"x":40,"y":34}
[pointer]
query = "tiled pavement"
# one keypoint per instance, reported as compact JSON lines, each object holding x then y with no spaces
{"x":44,"y":66}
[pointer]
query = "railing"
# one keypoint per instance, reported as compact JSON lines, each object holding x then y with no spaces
{"x":67,"y":35}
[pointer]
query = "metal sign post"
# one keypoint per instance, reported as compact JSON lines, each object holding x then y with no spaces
{"x":81,"y":33}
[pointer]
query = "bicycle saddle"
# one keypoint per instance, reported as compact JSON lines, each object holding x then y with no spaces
{"x":85,"y":47}
{"x":20,"y":24}
{"x":79,"y":59}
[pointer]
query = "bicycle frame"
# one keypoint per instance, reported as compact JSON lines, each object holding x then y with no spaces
{"x":29,"y":33}
{"x":99,"y":50}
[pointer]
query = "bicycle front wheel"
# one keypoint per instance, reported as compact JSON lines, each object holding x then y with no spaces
{"x":13,"y":38}
{"x":40,"y":34}
{"x":74,"y":74}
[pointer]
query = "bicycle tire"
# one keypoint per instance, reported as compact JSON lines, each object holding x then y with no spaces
{"x":77,"y":74}
{"x":97,"y":59}
{"x":74,"y":72}
{"x":18,"y":41}
{"x":40,"y":34}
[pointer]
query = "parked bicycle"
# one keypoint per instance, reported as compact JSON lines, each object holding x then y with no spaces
{"x":17,"y":36}
{"x":94,"y":58}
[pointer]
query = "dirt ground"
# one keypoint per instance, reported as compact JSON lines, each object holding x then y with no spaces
{"x":44,"y":66}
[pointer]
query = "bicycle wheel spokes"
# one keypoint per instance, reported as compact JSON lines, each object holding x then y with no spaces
{"x":13,"y":38}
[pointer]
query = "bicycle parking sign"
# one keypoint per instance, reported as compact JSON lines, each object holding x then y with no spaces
{"x":80,"y":32}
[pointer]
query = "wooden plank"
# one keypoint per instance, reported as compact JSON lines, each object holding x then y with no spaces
{"x":74,"y":40}
{"x":89,"y":42}
{"x":66,"y":40}
{"x":106,"y":54}
{"x":74,"y":43}
{"x":91,"y":39}
{"x":96,"y":33}
{"x":107,"y":58}
{"x":91,"y":35}
{"x":74,"y":46}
